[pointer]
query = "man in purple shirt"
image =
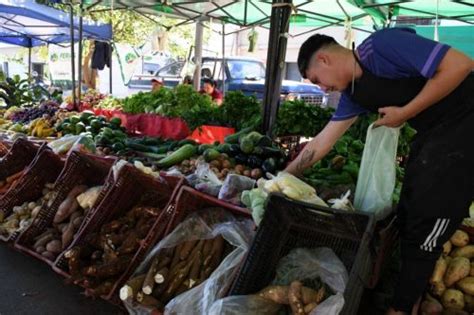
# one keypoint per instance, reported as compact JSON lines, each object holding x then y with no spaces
{"x":405,"y":78}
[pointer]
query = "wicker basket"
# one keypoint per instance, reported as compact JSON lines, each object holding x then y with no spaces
{"x":20,"y":155}
{"x":79,"y":169}
{"x":131,"y":187}
{"x":288,"y":225}
{"x":44,"y":169}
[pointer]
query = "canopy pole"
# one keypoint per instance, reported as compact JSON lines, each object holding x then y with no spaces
{"x":198,"y":55}
{"x":279,"y":25}
{"x":223,"y":67}
{"x":80,"y":52}
{"x":73,"y":70}
{"x":111,"y":50}
{"x":29,"y":63}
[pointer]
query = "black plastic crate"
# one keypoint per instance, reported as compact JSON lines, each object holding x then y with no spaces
{"x":288,"y":224}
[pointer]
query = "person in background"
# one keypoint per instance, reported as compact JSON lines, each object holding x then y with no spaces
{"x":188,"y":80}
{"x":209,"y":88}
{"x":156,"y":84}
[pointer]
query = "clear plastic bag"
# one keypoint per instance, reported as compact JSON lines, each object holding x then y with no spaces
{"x":299,"y":264}
{"x":69,"y":143}
{"x":233,"y":187}
{"x":377,"y":175}
{"x":205,"y":180}
{"x":203,"y":225}
{"x":342,"y":203}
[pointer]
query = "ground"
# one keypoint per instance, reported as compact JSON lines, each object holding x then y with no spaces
{"x":29,"y":286}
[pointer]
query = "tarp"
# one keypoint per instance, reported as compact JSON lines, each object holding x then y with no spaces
{"x":28,"y":24}
{"x":459,"y":37}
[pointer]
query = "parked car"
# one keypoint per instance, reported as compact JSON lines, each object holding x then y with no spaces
{"x":240,"y":74}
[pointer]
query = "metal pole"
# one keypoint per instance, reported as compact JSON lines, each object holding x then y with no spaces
{"x":198,"y":55}
{"x":279,"y":25}
{"x":110,"y":68}
{"x":29,"y":62}
{"x":80,"y":52}
{"x":73,"y":70}
{"x":223,"y":65}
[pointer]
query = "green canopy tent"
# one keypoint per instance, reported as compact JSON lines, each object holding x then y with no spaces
{"x":278,"y":15}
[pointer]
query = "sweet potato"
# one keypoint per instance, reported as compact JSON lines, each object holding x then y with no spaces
{"x":295,"y":298}
{"x":68,"y":235}
{"x":40,"y":249}
{"x":458,"y":269}
{"x":459,"y":238}
{"x":43,"y":239}
{"x":438,"y":288}
{"x":69,"y":205}
{"x":466,"y":285}
{"x":447,"y":247}
{"x":453,"y":299}
{"x":48,"y":255}
{"x":54,"y":247}
{"x":466,"y":251}
{"x":439,"y":270}
{"x":77,"y":222}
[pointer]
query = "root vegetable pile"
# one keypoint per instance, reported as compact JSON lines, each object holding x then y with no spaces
{"x":173,"y":271}
{"x":66,"y":223}
{"x":106,"y":254}
{"x":24,"y":214}
{"x":10,"y":182}
{"x":452,"y":282}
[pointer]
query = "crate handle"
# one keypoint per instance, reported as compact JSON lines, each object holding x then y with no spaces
{"x":322,"y":212}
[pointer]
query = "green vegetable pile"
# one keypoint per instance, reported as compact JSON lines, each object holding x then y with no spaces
{"x":240,"y":111}
{"x":110,"y":103}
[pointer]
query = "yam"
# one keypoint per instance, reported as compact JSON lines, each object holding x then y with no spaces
{"x":458,"y":269}
{"x":466,"y":285}
{"x":469,"y":303}
{"x":48,"y":255}
{"x":68,"y":235}
{"x":66,"y":208}
{"x":459,"y":238}
{"x":453,"y":299}
{"x":295,"y":298}
{"x":439,"y":270}
{"x":466,"y":251}
{"x":54,"y":247}
{"x":438,"y":289}
{"x":447,"y":247}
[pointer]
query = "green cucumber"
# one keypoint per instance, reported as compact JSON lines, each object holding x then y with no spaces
{"x":183,"y":153}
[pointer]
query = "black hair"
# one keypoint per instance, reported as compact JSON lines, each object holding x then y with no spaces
{"x":209,"y":81}
{"x":309,"y":47}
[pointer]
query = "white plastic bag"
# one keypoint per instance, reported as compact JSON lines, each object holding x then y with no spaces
{"x":377,"y":174}
{"x":233,"y":187}
{"x":203,"y":225}
{"x":299,"y":264}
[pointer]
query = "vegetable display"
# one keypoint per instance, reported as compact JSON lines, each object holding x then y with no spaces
{"x":23,"y":215}
{"x":10,"y":182}
{"x":106,"y":254}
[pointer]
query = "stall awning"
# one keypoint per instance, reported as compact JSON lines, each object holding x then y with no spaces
{"x":26,"y":23}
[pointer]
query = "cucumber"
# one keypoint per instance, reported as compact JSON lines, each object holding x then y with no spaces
{"x":186,"y":141}
{"x":138,"y":146}
{"x":234,"y":138}
{"x":183,"y":153}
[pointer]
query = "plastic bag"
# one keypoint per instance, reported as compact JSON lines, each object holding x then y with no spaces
{"x":205,"y":180}
{"x":69,"y":143}
{"x":203,"y":225}
{"x":255,"y":200}
{"x":299,"y":264}
{"x":342,"y":203}
{"x":377,"y":174}
{"x":233,"y":187}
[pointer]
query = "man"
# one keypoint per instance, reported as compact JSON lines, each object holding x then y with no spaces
{"x":156,"y":84}
{"x":209,"y":88}
{"x":405,"y":77}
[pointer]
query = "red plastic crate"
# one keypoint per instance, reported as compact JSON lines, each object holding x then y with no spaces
{"x":80,"y":168}
{"x":129,"y":189}
{"x":44,"y":169}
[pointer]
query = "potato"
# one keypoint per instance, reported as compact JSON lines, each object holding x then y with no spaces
{"x":239,"y":168}
{"x":40,"y":249}
{"x":77,"y":222}
{"x":439,"y":270}
{"x":459,"y":238}
{"x":438,"y":288}
{"x":448,"y":259}
{"x":467,"y":285}
{"x":54,"y":247}
{"x":48,"y":255}
{"x":458,"y":269}
{"x":31,"y":205}
{"x":469,"y":303}
{"x":466,"y":251}
{"x":447,"y":248}
{"x":453,"y":299}
{"x":226,"y":164}
{"x":35,"y":211}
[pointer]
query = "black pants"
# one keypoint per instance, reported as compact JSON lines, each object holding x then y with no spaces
{"x":437,"y":192}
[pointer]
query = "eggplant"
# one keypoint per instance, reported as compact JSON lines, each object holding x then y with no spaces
{"x":254,"y":161}
{"x":241,"y":159}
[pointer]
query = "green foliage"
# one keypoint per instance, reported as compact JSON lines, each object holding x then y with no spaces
{"x":302,"y":119}
{"x":16,"y":92}
{"x":240,"y":111}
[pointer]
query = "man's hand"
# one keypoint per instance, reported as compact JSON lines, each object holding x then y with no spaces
{"x":392,"y":116}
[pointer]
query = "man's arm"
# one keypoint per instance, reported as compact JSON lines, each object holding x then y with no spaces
{"x":317,"y":148}
{"x":453,"y":69}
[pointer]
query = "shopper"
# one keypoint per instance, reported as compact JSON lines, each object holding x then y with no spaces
{"x":156,"y":84}
{"x":188,"y":80}
{"x":209,"y":88}
{"x":405,"y":77}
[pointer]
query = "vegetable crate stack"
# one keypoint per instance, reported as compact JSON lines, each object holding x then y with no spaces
{"x":288,"y":225}
{"x":127,"y":222}
{"x":20,"y":206}
{"x":452,"y":282}
{"x":79,"y":186}
{"x":194,"y":265}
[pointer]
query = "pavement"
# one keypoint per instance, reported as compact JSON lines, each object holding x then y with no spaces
{"x":30,"y":287}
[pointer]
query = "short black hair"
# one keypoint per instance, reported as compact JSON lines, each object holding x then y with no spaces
{"x":209,"y":81}
{"x":309,"y":47}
